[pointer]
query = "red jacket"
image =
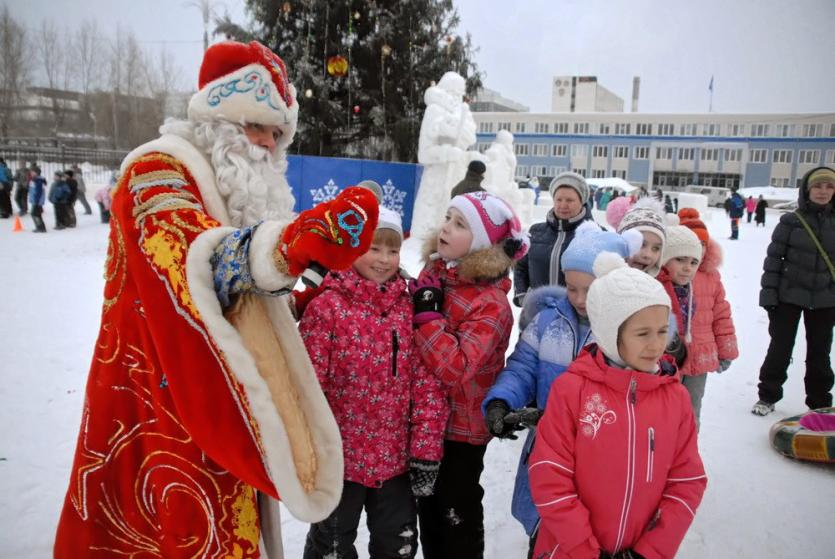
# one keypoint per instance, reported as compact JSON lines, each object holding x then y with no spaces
{"x":615,"y":464}
{"x":711,"y":328}
{"x":359,"y":337}
{"x":466,"y":349}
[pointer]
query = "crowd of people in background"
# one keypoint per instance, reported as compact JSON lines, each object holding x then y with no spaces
{"x":27,"y":187}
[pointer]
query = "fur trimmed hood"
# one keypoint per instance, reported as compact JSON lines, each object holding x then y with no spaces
{"x":486,"y":265}
{"x":712,"y":259}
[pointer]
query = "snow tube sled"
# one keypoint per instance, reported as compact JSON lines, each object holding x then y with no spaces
{"x":809,"y":436}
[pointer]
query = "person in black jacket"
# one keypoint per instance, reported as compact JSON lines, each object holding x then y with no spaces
{"x":759,"y":212}
{"x":69,"y":177}
{"x":798,"y":279}
{"x":541,"y":265}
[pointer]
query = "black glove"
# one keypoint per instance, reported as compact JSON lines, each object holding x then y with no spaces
{"x":422,"y":476}
{"x":495,"y":415}
{"x":627,"y":554}
{"x":428,"y":298}
{"x":526,"y":417}
{"x":677,"y":350}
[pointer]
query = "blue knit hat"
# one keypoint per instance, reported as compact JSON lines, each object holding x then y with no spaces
{"x":589,"y":241}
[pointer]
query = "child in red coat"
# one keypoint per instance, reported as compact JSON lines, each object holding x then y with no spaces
{"x":463,"y":322}
{"x":702,"y":313}
{"x":615,"y":470}
{"x":391,"y":412}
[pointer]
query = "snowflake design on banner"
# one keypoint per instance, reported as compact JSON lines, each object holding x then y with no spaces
{"x":325,"y":193}
{"x":393,"y":198}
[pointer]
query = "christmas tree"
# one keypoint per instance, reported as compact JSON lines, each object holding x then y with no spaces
{"x":360,"y":68}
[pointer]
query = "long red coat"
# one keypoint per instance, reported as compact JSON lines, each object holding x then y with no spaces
{"x":178,"y":430}
{"x":616,"y":464}
{"x":466,"y":348}
{"x":388,"y":407}
{"x":712,"y":333}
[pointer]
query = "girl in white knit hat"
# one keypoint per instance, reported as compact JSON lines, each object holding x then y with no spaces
{"x":615,"y":470}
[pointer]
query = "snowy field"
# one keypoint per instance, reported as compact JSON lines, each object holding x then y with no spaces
{"x":757,"y":505}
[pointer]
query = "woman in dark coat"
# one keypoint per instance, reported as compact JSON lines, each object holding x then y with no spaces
{"x":541,"y":265}
{"x":797,"y":279}
{"x":759,"y":212}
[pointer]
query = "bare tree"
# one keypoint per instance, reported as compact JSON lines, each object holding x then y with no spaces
{"x":56,"y":63}
{"x":86,"y":47}
{"x":13,"y":68}
{"x":162,"y":78}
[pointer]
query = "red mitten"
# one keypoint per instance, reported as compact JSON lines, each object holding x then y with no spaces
{"x":331,"y":235}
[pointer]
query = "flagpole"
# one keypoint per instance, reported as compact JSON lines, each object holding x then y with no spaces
{"x":710,"y":104}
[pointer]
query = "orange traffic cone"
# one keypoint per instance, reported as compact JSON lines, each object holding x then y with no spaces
{"x":18,"y":226}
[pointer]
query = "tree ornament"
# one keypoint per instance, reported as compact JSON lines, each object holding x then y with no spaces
{"x":308,"y":93}
{"x":337,"y":66}
{"x":356,"y":109}
{"x":386,"y":50}
{"x":356,"y":15}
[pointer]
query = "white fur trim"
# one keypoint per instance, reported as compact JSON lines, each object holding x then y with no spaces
{"x":261,"y":263}
{"x":196,"y":163}
{"x":319,"y":503}
{"x":243,"y":106}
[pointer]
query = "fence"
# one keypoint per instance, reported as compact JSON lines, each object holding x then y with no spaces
{"x":53,"y":154}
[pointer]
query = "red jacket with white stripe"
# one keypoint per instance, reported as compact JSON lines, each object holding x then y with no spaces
{"x":615,"y":464}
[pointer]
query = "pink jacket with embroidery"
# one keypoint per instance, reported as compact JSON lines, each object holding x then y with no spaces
{"x":711,"y":328}
{"x":359,"y":337}
{"x":466,"y":349}
{"x":615,"y":464}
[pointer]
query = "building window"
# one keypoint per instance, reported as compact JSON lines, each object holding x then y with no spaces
{"x":579,"y":150}
{"x":519,"y":128}
{"x":780,"y":182}
{"x":541,"y":127}
{"x":663,"y":153}
{"x":540,"y":150}
{"x":504,"y":126}
{"x":759,"y":130}
{"x":685,"y":154}
{"x":733,"y":155}
{"x":604,"y":128}
{"x":621,"y":152}
{"x":521,"y":149}
{"x":523,"y":171}
{"x":807,"y":156}
{"x":643,"y":129}
{"x":759,"y":156}
{"x":830,"y":157}
{"x":666,"y":129}
{"x":600,"y":151}
{"x":560,"y":128}
{"x":540,"y":171}
{"x":711,"y":129}
{"x":619,"y":174}
{"x":709,"y":154}
{"x":559,"y":150}
{"x":688,"y":129}
{"x":784,"y":130}
{"x":485,"y":127}
{"x":641,"y":152}
{"x":581,"y":172}
{"x":581,"y":127}
{"x":556,"y":170}
{"x":622,"y":128}
{"x":781,"y":156}
{"x":832,"y":130}
{"x":482,"y":147}
{"x":812,"y":130}
{"x":736,"y":130}
{"x":598,"y":173}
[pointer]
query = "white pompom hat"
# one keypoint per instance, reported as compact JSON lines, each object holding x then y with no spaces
{"x":618,"y":292}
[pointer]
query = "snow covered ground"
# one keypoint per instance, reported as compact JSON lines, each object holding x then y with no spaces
{"x":758,"y":504}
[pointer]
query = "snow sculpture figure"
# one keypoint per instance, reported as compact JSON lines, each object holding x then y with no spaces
{"x":446,"y":132}
{"x":499,"y":178}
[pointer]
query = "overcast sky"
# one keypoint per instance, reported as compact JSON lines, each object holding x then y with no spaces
{"x":765,"y":55}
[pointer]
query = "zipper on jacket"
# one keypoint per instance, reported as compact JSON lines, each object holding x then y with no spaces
{"x":395,"y":347}
{"x":630,"y":462}
{"x":650,"y":453}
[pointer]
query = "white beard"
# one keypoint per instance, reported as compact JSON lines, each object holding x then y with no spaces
{"x":250,"y":180}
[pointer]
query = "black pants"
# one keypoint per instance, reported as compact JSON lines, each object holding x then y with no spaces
{"x":105,"y":214}
{"x":782,"y":327}
{"x":21,"y":198}
{"x":5,"y":199}
{"x":391,"y":516}
{"x":452,"y":520}
{"x":37,"y":213}
{"x":749,"y":216}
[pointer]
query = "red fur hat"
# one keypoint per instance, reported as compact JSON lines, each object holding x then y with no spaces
{"x":245,"y":83}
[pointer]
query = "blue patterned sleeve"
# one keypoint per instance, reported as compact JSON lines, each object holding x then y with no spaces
{"x":230,"y":265}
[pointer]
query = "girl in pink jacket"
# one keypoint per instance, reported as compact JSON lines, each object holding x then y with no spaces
{"x":391,"y":412}
{"x":702,"y":313}
{"x":615,"y":470}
